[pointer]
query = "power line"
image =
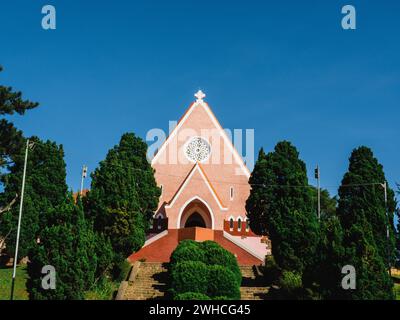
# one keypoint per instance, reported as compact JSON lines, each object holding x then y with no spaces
{"x":251,"y":184}
{"x":254,"y":184}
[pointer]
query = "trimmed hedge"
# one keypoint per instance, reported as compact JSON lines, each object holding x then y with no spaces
{"x":187,"y":250}
{"x":216,"y":255}
{"x":222,"y":282}
{"x":189,"y":276}
{"x":206,"y":269}
{"x":192,"y":296}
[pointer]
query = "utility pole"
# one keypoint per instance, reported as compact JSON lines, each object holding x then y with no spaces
{"x":28,"y":145}
{"x":384,"y":186}
{"x":317,"y":176}
{"x":84,"y":174}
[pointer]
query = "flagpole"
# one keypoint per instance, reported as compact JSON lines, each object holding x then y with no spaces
{"x":317,"y":176}
{"x":19,"y":221}
{"x":384,"y":185}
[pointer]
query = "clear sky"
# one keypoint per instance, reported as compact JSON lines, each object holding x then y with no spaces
{"x":284,"y":68}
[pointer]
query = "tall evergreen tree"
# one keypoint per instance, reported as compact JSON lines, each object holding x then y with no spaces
{"x":281,"y":201}
{"x":123,"y":195}
{"x":368,"y":196}
{"x":67,"y":243}
{"x":45,"y":187}
{"x":362,"y":214}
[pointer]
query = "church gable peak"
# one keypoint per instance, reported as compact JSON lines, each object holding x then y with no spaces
{"x":199,"y":118}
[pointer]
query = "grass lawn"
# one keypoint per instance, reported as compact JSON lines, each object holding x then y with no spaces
{"x":397,"y":291}
{"x":396,"y":280}
{"x":20,"y":292}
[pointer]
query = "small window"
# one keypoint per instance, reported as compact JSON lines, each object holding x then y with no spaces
{"x":159,"y":221}
{"x":231,"y":193}
{"x":161,"y":189}
{"x":239,"y":224}
{"x":231,"y":224}
{"x":151,"y":223}
{"x":247,"y":225}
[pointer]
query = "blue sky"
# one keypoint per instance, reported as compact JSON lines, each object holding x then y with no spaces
{"x":285,"y":68}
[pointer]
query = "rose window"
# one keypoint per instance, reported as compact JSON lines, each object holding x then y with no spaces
{"x":197,"y":149}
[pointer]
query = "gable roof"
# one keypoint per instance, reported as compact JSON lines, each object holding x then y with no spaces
{"x":196,"y":167}
{"x":216,"y":123}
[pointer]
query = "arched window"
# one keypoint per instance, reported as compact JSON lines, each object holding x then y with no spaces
{"x":231,"y":193}
{"x":239,"y":224}
{"x":231,"y":224}
{"x":247,"y":225}
{"x":161,"y":189}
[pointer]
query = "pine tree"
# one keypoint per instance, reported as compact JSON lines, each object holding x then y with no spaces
{"x":123,"y":195}
{"x":67,"y":243}
{"x":362,"y":214}
{"x":45,"y":187}
{"x":11,"y":140}
{"x":281,"y":200}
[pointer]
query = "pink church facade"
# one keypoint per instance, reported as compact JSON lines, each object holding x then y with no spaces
{"x":204,"y":183}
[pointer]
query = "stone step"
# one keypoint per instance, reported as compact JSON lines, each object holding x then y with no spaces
{"x":150,"y":282}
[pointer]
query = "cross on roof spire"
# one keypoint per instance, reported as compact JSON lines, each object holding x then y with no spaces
{"x":200,"y":95}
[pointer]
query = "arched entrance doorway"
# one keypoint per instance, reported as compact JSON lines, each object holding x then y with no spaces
{"x":195,"y":220}
{"x":196,"y":213}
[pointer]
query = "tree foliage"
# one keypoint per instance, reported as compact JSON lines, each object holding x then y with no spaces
{"x":67,"y":243}
{"x":123,"y":195}
{"x":11,"y":140}
{"x":362,"y":213}
{"x":280,"y":205}
{"x":45,"y":188}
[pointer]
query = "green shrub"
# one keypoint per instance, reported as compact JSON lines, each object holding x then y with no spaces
{"x":189,"y":276}
{"x":272,"y":272}
{"x":216,"y":255}
{"x":191,"y":296}
{"x":222,"y":282}
{"x":204,"y":268}
{"x":187,"y":250}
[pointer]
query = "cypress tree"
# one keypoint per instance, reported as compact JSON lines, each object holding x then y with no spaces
{"x":256,"y":205}
{"x":123,"y":195}
{"x":45,"y":187}
{"x":283,"y":202}
{"x":361,"y":210}
{"x":67,"y":243}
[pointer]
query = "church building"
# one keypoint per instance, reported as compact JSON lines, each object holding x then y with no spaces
{"x":204,"y":188}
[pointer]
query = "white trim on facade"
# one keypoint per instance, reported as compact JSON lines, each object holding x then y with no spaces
{"x":236,"y":155}
{"x":197,"y":167}
{"x":155,"y":238}
{"x":242,"y":245}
